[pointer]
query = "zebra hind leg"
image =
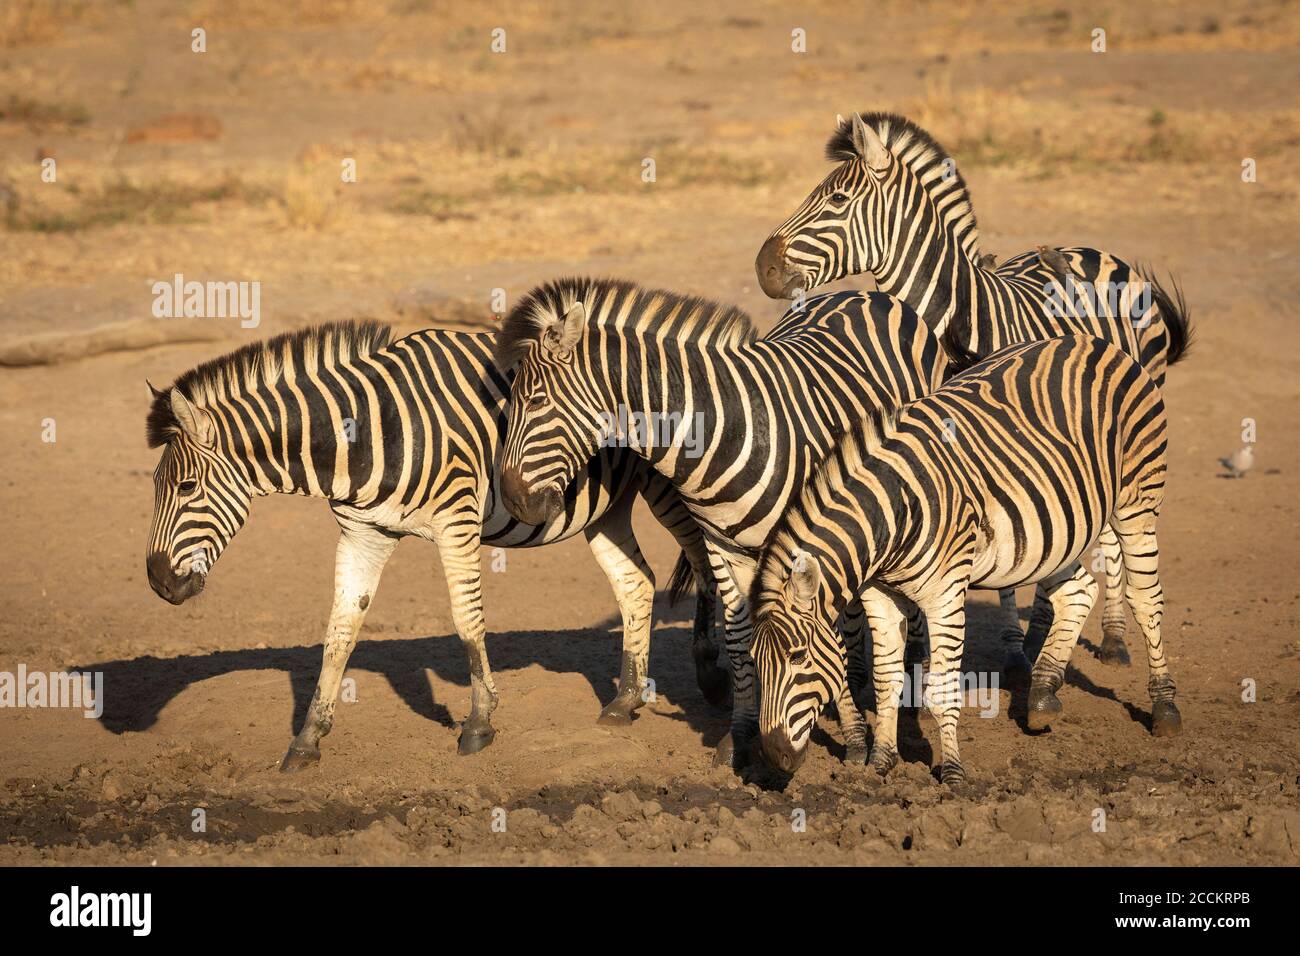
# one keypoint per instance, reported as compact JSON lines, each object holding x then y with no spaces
{"x":1113,"y":620}
{"x":613,"y":543}
{"x":853,"y":627}
{"x":1015,"y":665}
{"x":1146,"y":600}
{"x":1072,"y":594}
{"x":358,"y":563}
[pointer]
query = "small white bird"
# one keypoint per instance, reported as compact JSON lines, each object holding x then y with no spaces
{"x":1240,"y":462}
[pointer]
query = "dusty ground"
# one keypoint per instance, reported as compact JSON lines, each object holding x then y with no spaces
{"x":479,"y":171}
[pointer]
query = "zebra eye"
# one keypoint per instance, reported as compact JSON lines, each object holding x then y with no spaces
{"x":188,"y":486}
{"x":839,"y":198}
{"x":537,"y":402}
{"x":799,"y":657}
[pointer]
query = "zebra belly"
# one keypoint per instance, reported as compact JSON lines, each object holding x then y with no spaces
{"x":1000,"y":563}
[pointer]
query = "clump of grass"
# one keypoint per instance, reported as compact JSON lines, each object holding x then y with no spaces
{"x":487,"y":134}
{"x":20,"y":109}
{"x":308,"y":202}
{"x":422,"y":201}
{"x":123,"y":201}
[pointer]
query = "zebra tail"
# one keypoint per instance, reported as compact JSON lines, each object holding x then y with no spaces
{"x":960,"y":357}
{"x":682,"y":581}
{"x":1173,"y":309}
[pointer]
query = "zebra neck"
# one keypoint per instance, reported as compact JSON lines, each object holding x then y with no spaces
{"x":933,"y":274}
{"x":856,"y":549}
{"x":663,"y":425}
{"x":298,"y":438}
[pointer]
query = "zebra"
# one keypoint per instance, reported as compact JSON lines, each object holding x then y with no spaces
{"x":399,"y":437}
{"x":593,"y":352}
{"x":895,"y":206}
{"x":1002,"y":477}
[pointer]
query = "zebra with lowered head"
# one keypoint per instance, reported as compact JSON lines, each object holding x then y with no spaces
{"x":895,"y":206}
{"x":751,"y":416}
{"x":1002,"y":477}
{"x":399,"y":437}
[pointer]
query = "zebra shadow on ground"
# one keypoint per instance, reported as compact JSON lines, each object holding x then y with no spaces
{"x":136,"y":690}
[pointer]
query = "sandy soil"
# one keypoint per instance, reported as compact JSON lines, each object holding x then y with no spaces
{"x":480,"y":171}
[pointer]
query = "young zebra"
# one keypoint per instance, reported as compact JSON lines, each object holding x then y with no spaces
{"x":399,"y":437}
{"x":746,"y":418}
{"x":1002,"y":477}
{"x":896,"y":207}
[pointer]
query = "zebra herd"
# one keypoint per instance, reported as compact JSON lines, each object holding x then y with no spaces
{"x":868,"y":461}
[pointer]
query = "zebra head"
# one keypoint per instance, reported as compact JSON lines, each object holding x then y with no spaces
{"x":200,"y":498}
{"x":788,"y":631}
{"x":834,"y":233}
{"x":554,"y":426}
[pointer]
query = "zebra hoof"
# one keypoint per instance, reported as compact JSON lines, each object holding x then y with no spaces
{"x":856,"y":754}
{"x":952,"y":774}
{"x":1044,"y":707}
{"x":882,"y":760}
{"x":1165,"y":719}
{"x":1015,"y":669}
{"x":474,"y":737}
{"x":1113,"y":651}
{"x":617,"y":713}
{"x":299,"y":758}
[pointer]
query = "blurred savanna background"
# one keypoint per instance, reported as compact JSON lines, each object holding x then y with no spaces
{"x":496,"y":146}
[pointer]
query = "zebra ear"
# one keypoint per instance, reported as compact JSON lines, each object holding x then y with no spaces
{"x":570,"y":328}
{"x":868,"y":144}
{"x":154,"y":392}
{"x":194,"y":421}
{"x":805,"y":577}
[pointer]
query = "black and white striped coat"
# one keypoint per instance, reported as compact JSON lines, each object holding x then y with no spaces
{"x":896,"y":207}
{"x":762,"y":412}
{"x":400,"y":438}
{"x":1003,"y":477}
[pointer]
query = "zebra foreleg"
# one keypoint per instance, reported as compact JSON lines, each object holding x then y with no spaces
{"x":1146,"y":599}
{"x":614,"y":545}
{"x":853,"y":626}
{"x":1113,"y":620}
{"x":886,"y":616}
{"x":943,"y":691}
{"x":1072,"y":594}
{"x":459,"y":549}
{"x":667,"y":507}
{"x":358,"y":563}
{"x":733,"y":587}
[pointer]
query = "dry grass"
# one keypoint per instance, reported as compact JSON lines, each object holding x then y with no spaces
{"x":310,"y":196}
{"x":39,"y":114}
{"x":49,"y":208}
{"x":986,"y":128}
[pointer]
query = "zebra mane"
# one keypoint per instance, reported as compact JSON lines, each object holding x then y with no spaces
{"x":922,"y":154}
{"x":261,"y":363}
{"x":694,"y":319}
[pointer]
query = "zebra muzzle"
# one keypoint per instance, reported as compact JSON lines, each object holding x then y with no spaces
{"x":775,"y":277}
{"x":530,"y":505}
{"x":167,"y":584}
{"x":781,"y":753}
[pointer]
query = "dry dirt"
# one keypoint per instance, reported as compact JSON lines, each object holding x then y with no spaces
{"x":480,"y":171}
